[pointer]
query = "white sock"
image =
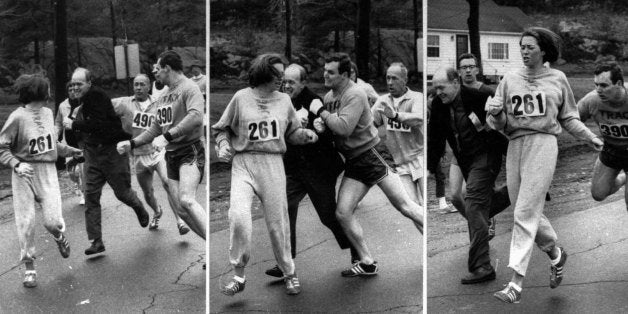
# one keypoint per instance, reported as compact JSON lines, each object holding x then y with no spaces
{"x":442,"y":202}
{"x":515,"y":286}
{"x":557,"y":259}
{"x":239,"y":279}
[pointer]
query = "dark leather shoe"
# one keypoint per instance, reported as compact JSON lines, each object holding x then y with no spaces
{"x":481,"y":274}
{"x":142,"y":217}
{"x":97,"y":247}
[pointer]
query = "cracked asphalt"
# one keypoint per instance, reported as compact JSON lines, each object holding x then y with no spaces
{"x":393,"y":240}
{"x":595,"y":276}
{"x":141,"y":271}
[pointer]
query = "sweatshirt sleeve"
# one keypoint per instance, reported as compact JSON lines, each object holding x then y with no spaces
{"x":377,"y":116}
{"x":223,"y":129}
{"x":64,"y":150}
{"x":584,"y":108}
{"x":415,"y":116}
{"x":195,"y":103}
{"x":497,"y":122}
{"x":568,"y":115}
{"x":8,"y":137}
{"x":345,"y":120}
{"x":148,"y":135}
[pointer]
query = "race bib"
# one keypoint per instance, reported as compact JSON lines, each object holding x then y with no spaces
{"x":142,"y":120}
{"x":529,"y":105}
{"x":41,"y":145}
{"x":614,"y":130}
{"x":263,"y":130}
{"x":164,"y":115}
{"x":396,"y":126}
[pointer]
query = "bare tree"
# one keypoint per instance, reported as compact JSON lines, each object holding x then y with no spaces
{"x":362,"y":38}
{"x":288,"y":32}
{"x":473,"y":23}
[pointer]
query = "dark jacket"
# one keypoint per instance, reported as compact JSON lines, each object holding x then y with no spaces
{"x":469,"y":141}
{"x":100,"y":124}
{"x":320,"y":157}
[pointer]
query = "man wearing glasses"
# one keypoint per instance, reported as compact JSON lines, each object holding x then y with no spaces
{"x":101,"y":129}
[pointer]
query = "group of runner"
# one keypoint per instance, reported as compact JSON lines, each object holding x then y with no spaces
{"x":161,"y":134}
{"x":260,"y":124}
{"x":531,"y":106}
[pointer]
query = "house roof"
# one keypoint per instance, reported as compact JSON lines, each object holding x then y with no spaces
{"x":453,"y":14}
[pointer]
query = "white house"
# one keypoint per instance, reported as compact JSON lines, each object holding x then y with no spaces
{"x":500,"y":30}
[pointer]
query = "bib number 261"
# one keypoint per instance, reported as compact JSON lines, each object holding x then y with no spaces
{"x":40,"y":145}
{"x":264,"y":130}
{"x":529,"y":105}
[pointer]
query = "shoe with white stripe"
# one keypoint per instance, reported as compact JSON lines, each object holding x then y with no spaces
{"x":293,"y":287}
{"x":360,"y":269}
{"x":30,"y":279}
{"x":508,"y":295}
{"x":556,"y":272}
{"x":233,"y":287}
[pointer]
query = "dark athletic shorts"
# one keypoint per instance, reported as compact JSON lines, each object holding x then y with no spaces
{"x":614,"y":157}
{"x":193,"y":154}
{"x":370,"y":167}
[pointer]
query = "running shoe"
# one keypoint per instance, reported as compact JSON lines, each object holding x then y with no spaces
{"x":30,"y":279}
{"x":233,"y":287}
{"x":450,"y":208}
{"x":293,"y":287}
{"x":274,"y":272}
{"x":556,"y":271}
{"x":491,"y":228}
{"x":360,"y":269}
{"x":508,"y":295}
{"x":183,"y":229}
{"x":154,"y":223}
{"x":64,"y":245}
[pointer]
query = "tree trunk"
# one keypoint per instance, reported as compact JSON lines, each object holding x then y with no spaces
{"x":288,"y":32}
{"x":473,"y":23}
{"x":362,"y":38}
{"x":336,"y":39}
{"x":36,"y":54}
{"x":61,"y":51}
{"x":113,"y":33}
{"x":78,"y":44}
{"x":417,"y":24}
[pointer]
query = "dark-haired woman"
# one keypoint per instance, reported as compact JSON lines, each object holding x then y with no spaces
{"x":28,"y":144}
{"x":253,"y":130}
{"x":532,"y":105}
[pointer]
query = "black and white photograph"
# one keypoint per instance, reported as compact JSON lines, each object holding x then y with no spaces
{"x":103,"y":198}
{"x":317,"y":156}
{"x":526,"y":148}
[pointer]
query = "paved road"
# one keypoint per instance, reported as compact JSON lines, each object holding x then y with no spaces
{"x":596,"y":279}
{"x":392,"y":239}
{"x":151,"y":271}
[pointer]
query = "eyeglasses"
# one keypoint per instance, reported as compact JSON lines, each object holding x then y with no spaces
{"x":467,"y":67}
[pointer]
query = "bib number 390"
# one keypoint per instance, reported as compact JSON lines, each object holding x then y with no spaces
{"x":263,"y":130}
{"x":40,"y":145}
{"x":164,"y":115}
{"x":529,"y":105}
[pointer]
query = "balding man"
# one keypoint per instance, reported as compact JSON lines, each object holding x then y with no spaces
{"x":458,"y":117}
{"x":101,"y":129}
{"x":137,"y":113}
{"x":401,"y":111}
{"x":311,"y":169}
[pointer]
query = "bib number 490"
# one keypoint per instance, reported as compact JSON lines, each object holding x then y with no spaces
{"x":40,"y":145}
{"x":264,"y":130}
{"x":529,"y":105}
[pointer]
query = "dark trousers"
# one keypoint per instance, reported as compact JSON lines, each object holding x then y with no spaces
{"x":321,"y":189}
{"x":103,"y":165}
{"x":439,"y":177}
{"x":482,"y":202}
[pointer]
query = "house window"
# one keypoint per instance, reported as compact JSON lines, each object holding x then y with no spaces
{"x":433,"y":46}
{"x":498,"y":51}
